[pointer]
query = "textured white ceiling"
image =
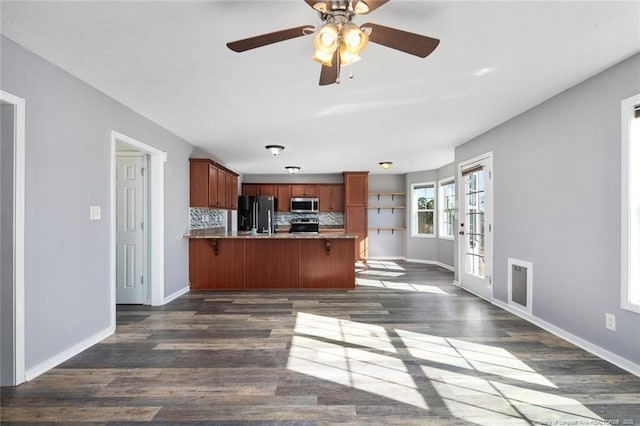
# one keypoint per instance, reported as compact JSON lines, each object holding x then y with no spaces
{"x":168,"y":61}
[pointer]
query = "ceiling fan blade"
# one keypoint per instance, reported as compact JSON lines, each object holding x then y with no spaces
{"x":368,"y":7}
{"x":270,"y":38}
{"x":329,"y":75}
{"x":414,"y":44}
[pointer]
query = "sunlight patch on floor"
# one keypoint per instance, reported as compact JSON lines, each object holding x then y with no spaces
{"x":482,"y":401}
{"x":472,"y":356}
{"x":384,"y":264}
{"x":478,"y":383}
{"x":355,"y":333}
{"x":421,"y":288}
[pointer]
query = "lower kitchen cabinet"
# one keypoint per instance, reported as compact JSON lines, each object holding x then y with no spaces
{"x":216,"y":264}
{"x":272,"y":263}
{"x":279,"y":262}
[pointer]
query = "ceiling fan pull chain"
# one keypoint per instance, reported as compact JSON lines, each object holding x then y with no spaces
{"x":351,"y":71}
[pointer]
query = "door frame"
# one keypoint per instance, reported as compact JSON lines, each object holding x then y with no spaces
{"x":146,"y":297}
{"x":19,"y":142}
{"x":487,"y":160}
{"x":157,"y":158}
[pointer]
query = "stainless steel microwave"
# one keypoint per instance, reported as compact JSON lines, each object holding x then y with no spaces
{"x":304,"y":205}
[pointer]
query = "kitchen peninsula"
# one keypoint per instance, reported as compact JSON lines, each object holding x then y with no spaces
{"x":270,"y":262}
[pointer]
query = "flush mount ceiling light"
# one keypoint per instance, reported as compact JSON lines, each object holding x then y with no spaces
{"x":274,"y":149}
{"x":339,"y":41}
{"x":385,"y":164}
{"x":292,"y":169}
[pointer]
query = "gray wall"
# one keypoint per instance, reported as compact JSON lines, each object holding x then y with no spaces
{"x":386,"y":244}
{"x":6,"y":243}
{"x":68,"y":130}
{"x":557,"y":205}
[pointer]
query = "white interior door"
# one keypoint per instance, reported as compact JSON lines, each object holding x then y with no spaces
{"x":130,"y":234}
{"x":475,"y":226}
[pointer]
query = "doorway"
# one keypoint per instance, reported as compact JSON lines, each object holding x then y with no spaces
{"x":154,"y":225}
{"x":12,"y":169}
{"x":131,"y":220}
{"x":475,"y":231}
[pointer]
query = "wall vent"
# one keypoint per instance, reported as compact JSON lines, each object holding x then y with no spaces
{"x":520,"y":279}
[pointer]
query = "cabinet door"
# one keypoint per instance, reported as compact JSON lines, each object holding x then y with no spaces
{"x":198,"y":184}
{"x":325,"y":197}
{"x":283,"y":194}
{"x":304,"y":190}
{"x":249,"y":189}
{"x":337,"y":198}
{"x":213,"y":186}
{"x":222,"y":189}
{"x":267,"y":189}
{"x":356,"y":189}
{"x":231,"y":192}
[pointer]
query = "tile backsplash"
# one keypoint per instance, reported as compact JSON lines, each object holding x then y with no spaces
{"x":207,"y":218}
{"x":200,"y":218}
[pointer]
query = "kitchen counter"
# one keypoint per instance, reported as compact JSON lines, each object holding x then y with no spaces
{"x":220,"y":233}
{"x":280,"y":261}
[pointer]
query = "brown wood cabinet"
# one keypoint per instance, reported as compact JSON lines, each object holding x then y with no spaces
{"x":304,"y":190}
{"x":356,"y":190}
{"x":283,"y":195}
{"x":250,"y":189}
{"x":216,"y":264}
{"x":263,"y":263}
{"x":232,"y":191}
{"x":331,"y":197}
{"x":211,"y":185}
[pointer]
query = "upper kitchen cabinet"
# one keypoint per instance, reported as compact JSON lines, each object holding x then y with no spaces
{"x":232,"y":191}
{"x":211,"y":185}
{"x":331,"y":197}
{"x":356,"y":190}
{"x":283,"y":195}
{"x":356,"y":186}
{"x":304,"y":190}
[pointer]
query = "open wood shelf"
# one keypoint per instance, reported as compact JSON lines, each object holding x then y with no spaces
{"x":391,"y":194}
{"x":392,"y":208}
{"x":392,"y":229}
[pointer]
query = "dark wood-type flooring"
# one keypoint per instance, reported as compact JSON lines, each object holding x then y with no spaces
{"x":406,"y":347}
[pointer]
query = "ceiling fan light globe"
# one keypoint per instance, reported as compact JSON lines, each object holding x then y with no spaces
{"x":354,"y":39}
{"x":347,"y":58}
{"x":324,"y":58}
{"x":327,"y":38}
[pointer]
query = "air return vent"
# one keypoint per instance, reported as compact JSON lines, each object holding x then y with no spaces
{"x":520,"y":278}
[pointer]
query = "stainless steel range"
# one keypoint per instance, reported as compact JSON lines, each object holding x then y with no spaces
{"x":304,"y":226}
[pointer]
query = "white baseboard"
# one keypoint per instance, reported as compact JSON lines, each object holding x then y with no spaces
{"x":67,"y":354}
{"x":385,"y":258}
{"x":176,"y":294}
{"x":456,"y":283}
{"x":614,"y":359}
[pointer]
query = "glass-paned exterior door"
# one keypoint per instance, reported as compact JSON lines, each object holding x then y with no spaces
{"x":474,"y":238}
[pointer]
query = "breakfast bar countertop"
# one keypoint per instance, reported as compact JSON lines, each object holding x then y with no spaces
{"x":220,"y":233}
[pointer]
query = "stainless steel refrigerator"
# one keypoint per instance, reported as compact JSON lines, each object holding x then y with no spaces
{"x":257,"y":212}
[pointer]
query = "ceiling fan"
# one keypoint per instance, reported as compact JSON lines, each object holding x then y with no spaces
{"x":339,"y":41}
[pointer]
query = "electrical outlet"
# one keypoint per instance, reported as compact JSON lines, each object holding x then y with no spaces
{"x":205,"y":218}
{"x":610,"y":322}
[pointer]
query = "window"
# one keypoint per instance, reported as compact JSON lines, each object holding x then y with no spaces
{"x":631,"y":204}
{"x":446,"y":207}
{"x":422,"y":209}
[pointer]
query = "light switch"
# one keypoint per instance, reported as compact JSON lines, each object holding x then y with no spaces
{"x":95,"y":213}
